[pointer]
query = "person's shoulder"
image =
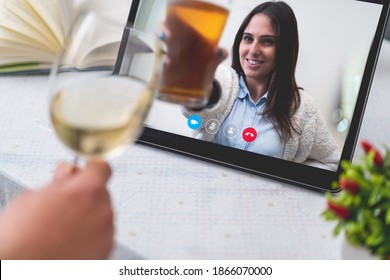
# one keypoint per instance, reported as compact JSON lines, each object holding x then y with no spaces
{"x":307,"y":105}
{"x":305,"y":97}
{"x":307,"y":100}
{"x":225,"y":72}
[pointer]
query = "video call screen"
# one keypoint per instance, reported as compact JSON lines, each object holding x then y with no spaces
{"x":335,"y":39}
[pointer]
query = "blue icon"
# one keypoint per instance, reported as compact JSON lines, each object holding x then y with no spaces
{"x":194,"y":122}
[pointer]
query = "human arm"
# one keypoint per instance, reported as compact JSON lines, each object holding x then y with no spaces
{"x":71,"y":218}
{"x":226,"y":81}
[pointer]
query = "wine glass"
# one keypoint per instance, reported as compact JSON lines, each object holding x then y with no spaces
{"x":95,"y":111}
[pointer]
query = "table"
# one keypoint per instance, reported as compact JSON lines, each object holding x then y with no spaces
{"x":169,"y":206}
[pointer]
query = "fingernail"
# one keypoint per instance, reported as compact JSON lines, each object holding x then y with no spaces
{"x":162,"y":36}
{"x":220,"y":53}
{"x":63,"y":170}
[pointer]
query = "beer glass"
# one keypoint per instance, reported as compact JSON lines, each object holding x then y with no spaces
{"x":195,"y":27}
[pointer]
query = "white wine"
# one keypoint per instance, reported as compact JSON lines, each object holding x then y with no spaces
{"x":100,"y":117}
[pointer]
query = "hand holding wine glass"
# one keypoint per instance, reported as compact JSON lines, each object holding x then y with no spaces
{"x":95,"y":112}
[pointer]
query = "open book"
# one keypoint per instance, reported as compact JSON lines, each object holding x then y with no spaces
{"x":32,"y":32}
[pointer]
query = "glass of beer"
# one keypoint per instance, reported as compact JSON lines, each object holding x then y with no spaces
{"x":195,"y":27}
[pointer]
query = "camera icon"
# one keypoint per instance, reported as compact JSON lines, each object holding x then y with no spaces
{"x":194,"y":122}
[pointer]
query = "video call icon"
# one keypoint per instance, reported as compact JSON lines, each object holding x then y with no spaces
{"x":194,"y":122}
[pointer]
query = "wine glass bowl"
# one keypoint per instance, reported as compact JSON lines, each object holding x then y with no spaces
{"x":94,"y":111}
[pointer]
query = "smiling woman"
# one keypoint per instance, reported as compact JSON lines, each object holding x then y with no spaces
{"x":257,"y":54}
{"x":259,"y":91}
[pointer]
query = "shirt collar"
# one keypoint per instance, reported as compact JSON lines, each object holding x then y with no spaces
{"x":244,"y":92}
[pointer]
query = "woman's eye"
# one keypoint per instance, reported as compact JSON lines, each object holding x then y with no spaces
{"x":267,"y":41}
{"x":247,"y":39}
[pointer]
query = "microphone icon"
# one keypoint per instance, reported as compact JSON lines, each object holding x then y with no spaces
{"x":212,"y":126}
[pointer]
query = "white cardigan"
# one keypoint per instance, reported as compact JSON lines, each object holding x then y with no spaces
{"x":314,"y":146}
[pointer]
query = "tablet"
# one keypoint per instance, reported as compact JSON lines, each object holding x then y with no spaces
{"x":339,"y":43}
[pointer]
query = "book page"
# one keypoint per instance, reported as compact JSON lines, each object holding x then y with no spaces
{"x":22,"y":11}
{"x":12,"y":29}
{"x":17,"y":54}
{"x":100,"y":57}
{"x":16,"y":49}
{"x":50,"y":12}
{"x":99,"y":46}
{"x":105,"y":45}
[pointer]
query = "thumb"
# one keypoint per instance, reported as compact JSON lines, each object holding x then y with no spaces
{"x":96,"y":171}
{"x":64,"y":170}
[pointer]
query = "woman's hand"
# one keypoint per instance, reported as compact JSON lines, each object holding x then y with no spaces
{"x":71,"y":218}
{"x":220,"y":54}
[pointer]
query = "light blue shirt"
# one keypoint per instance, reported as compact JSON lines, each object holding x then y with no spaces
{"x":245,"y":114}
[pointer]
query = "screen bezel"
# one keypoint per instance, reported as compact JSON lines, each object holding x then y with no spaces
{"x":301,"y":175}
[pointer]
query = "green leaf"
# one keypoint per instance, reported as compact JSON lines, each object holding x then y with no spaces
{"x":354,"y":174}
{"x":352,"y":238}
{"x":345,"y":164}
{"x":387,"y":218}
{"x":369,"y":223}
{"x":375,"y":238}
{"x":374,"y":197}
{"x":386,"y":163}
{"x":329,"y":216}
{"x":337,"y":229}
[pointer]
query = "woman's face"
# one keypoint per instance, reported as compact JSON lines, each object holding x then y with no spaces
{"x":258,"y":49}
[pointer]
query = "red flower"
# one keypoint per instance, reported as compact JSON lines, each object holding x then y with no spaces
{"x":378,"y":159}
{"x":349,"y":185}
{"x":341,"y":211}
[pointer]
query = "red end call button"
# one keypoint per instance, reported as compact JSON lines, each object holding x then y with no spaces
{"x":249,"y":134}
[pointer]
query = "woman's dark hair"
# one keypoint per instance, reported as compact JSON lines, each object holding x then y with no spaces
{"x":283,"y":92}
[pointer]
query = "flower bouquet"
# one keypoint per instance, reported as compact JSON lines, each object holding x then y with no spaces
{"x":362,"y":208}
